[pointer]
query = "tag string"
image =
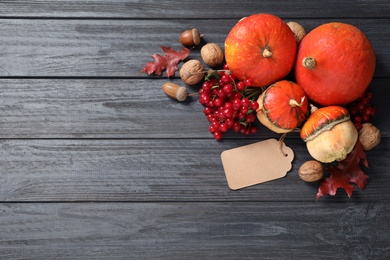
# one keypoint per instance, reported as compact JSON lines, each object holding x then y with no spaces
{"x":281,"y":139}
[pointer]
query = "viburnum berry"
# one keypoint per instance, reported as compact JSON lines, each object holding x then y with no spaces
{"x":250,"y":118}
{"x":244,"y":109}
{"x":358,"y":125}
{"x":207,"y":110}
{"x":358,"y":119}
{"x":353,"y":110}
{"x":226,"y":78}
{"x":229,"y":103}
{"x":217,"y":135}
{"x":241,"y":116}
{"x":212,"y":129}
{"x":204,"y":98}
{"x":229,"y":122}
{"x":240,"y":86}
{"x":223,"y":127}
{"x":248,"y":82}
{"x":245,"y":102}
{"x":253,"y":129}
{"x":206,"y":87}
{"x":361,"y":106}
{"x":228,"y":112}
{"x":228,"y":88}
{"x":254,"y":105}
{"x":236,"y":104}
{"x":218,"y":102}
{"x":361,"y":109}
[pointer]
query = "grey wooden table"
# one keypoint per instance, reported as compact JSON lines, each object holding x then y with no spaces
{"x":97,"y":163}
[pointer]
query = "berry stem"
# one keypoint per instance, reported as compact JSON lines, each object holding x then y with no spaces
{"x":255,"y":93}
{"x":193,"y":94}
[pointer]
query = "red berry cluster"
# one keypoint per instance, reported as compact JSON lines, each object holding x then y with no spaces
{"x":361,"y":110}
{"x":229,"y":103}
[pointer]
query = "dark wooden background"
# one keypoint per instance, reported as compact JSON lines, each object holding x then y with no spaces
{"x":97,"y":163}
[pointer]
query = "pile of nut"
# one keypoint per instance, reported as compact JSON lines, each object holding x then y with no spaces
{"x":193,"y":71}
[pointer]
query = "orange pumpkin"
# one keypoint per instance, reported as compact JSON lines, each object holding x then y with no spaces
{"x":335,"y":64}
{"x":329,"y":134}
{"x":283,"y":106}
{"x":261,"y":47}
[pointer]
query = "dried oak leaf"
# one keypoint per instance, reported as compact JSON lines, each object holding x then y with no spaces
{"x":169,"y":61}
{"x":345,"y":173}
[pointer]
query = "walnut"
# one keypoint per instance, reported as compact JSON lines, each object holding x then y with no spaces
{"x":311,"y":171}
{"x":369,"y":136}
{"x":298,"y":30}
{"x":212,"y":54}
{"x":192,"y":72}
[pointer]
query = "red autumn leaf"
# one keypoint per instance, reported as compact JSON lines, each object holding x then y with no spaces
{"x":169,"y":61}
{"x":157,"y":66}
{"x":345,"y":173}
{"x":173,"y":58}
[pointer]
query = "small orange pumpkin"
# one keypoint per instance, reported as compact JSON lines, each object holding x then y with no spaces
{"x":335,"y":64}
{"x":261,"y":47}
{"x":329,"y":134}
{"x":283,"y":106}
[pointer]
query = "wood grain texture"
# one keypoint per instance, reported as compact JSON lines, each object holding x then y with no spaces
{"x":213,"y":230}
{"x":97,"y":163}
{"x":121,"y":48}
{"x":156,"y":170}
{"x":119,"y":108}
{"x":188,"y":9}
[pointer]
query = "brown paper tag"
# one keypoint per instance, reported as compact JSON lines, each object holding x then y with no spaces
{"x":256,"y":163}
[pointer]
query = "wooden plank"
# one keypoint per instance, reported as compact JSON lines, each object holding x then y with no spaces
{"x":119,"y":108}
{"x":195,"y":231}
{"x":96,"y":163}
{"x":188,"y":9}
{"x":121,"y":48}
{"x":156,"y":170}
{"x":67,"y":108}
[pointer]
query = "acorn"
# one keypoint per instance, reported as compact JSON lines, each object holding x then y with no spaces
{"x":175,"y":91}
{"x":190,"y":38}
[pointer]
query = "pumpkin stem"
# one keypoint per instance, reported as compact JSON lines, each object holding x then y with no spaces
{"x":313,"y":108}
{"x":294,"y":103}
{"x":309,"y":63}
{"x":267,"y":53}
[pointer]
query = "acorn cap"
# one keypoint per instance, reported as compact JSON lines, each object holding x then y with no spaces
{"x":323,"y":119}
{"x":196,"y":36}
